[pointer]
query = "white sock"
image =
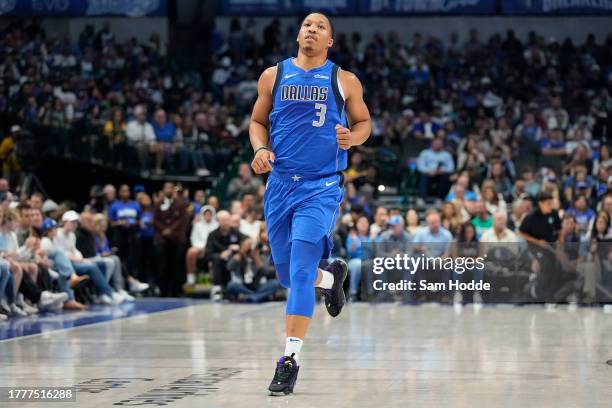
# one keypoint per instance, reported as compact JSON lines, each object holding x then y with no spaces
{"x":191,"y":279}
{"x":327,"y":281}
{"x":293,"y":345}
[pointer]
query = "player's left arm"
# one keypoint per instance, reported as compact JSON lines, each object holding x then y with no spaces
{"x":358,"y":115}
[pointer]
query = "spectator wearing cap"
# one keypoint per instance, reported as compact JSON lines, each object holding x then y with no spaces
{"x":245,"y":183}
{"x":49,"y":208}
{"x":540,"y":229}
{"x":435,"y":166}
{"x":64,"y":240}
{"x":124,"y":215}
{"x":49,"y":256}
{"x":141,"y":135}
{"x":200,"y":231}
{"x":396,"y":232}
{"x":11,"y":167}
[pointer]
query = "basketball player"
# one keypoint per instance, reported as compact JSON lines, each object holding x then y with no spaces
{"x":299,"y":133}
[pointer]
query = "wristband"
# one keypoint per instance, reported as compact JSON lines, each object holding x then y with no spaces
{"x":261,"y":148}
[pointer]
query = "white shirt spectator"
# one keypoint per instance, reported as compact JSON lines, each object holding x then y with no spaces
{"x":67,"y":243}
{"x":251,"y":230}
{"x":139,"y":132}
{"x":200,"y":231}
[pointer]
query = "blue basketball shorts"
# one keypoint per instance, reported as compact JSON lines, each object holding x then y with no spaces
{"x":296,"y":207}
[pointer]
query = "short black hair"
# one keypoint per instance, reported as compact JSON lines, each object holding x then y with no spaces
{"x":331,"y":25}
{"x":544,"y":196}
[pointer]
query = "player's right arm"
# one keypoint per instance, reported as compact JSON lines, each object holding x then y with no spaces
{"x":260,"y":124}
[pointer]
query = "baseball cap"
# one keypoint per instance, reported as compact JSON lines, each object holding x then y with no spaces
{"x":48,"y":223}
{"x":70,"y":216}
{"x":49,"y":205}
{"x":395,"y":220}
{"x":139,"y":188}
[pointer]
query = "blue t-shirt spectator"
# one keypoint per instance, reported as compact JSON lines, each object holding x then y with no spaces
{"x":430,"y":160}
{"x":125,"y":211}
{"x":583,"y":218}
{"x":349,"y":245}
{"x":165,"y":134}
{"x":102,"y":246}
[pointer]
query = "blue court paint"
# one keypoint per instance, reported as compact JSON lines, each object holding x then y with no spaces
{"x":48,"y":322}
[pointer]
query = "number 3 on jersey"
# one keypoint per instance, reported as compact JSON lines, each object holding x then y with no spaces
{"x":321,"y":109}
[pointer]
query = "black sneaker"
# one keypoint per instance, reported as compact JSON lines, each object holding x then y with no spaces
{"x":334,"y":297}
{"x":285,"y":376}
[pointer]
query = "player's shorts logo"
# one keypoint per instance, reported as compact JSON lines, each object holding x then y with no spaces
{"x":6,"y":6}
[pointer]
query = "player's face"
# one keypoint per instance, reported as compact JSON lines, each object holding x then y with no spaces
{"x":315,"y":34}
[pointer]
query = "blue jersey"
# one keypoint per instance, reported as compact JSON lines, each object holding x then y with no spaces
{"x":307,"y":106}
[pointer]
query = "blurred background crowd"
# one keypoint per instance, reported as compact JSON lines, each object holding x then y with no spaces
{"x":496,"y":139}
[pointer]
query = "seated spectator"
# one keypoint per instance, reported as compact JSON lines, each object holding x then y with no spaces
{"x":381,"y":220}
{"x":250,"y":225}
{"x":200,"y":231}
{"x":249,"y":279}
{"x":245,"y":183}
{"x":113,"y":143}
{"x":141,"y":136}
{"x":167,"y":142}
{"x":48,"y":256}
{"x":11,"y":165}
{"x":222,"y":243}
{"x":494,"y":201}
{"x":554,"y":144}
{"x":503,"y":183}
{"x":412,"y":222}
{"x":396,"y":233}
{"x":435,"y":166}
{"x":433,"y":240}
{"x":451,"y":219}
{"x":466,"y":246}
{"x":64,"y":240}
{"x":425,"y":128}
{"x":356,"y":237}
{"x":499,"y":232}
{"x":482,"y":220}
{"x":581,"y":214}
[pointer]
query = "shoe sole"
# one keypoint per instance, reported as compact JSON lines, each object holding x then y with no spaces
{"x":344,"y":275}
{"x":280,"y":393}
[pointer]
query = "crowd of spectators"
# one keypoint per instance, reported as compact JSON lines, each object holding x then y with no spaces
{"x":498,"y":133}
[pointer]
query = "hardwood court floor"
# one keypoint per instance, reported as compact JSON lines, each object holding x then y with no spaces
{"x":386,"y":355}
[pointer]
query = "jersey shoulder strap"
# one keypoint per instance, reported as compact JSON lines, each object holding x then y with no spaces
{"x":336,"y":89}
{"x":277,"y":81}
